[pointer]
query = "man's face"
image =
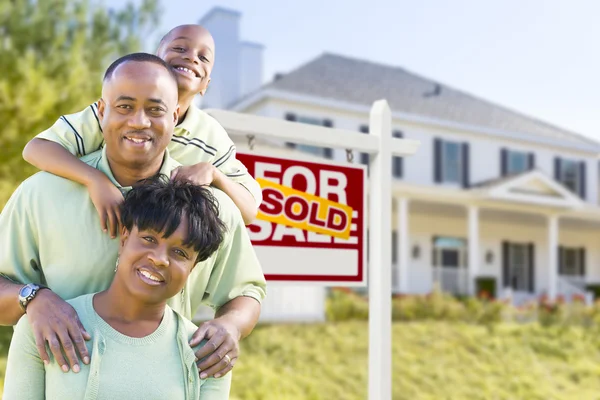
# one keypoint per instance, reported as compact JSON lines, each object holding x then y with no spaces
{"x":190,"y":50}
{"x":138,"y":112}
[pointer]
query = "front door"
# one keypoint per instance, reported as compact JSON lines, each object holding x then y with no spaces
{"x":449,"y":269}
{"x":518,"y":266}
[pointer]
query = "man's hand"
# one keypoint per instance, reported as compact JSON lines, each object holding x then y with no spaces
{"x":202,"y":173}
{"x":107,"y":199}
{"x":217,"y":356}
{"x":53,"y":320}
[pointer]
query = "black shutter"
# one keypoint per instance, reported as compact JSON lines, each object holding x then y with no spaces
{"x":397,"y":162}
{"x":437,"y":160}
{"x":434,"y":259}
{"x":531,"y":158}
{"x":292,"y":118}
{"x":559,"y":262}
{"x":557,"y":165}
{"x":582,"y":260}
{"x":465,"y":165}
{"x":582,"y":179}
{"x":505,"y":265}
{"x":328,"y":151}
{"x":503,"y":162}
{"x":531,"y":254}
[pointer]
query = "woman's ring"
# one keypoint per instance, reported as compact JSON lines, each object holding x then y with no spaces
{"x":227,"y":358}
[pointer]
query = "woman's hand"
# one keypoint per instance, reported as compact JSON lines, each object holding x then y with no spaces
{"x":217,"y":356}
{"x":53,"y":320}
{"x":107,"y":199}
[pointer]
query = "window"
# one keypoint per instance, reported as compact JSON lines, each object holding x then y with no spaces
{"x":517,"y":161}
{"x":571,"y":261}
{"x":569,"y":174}
{"x":364,"y":157}
{"x":315,"y":150}
{"x":451,"y":162}
{"x":449,"y":252}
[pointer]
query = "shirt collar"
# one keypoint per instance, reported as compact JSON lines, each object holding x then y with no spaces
{"x":167,"y":166}
{"x":192,"y":120}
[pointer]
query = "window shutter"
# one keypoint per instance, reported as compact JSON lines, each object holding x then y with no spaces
{"x":505,"y":265}
{"x":582,"y":179}
{"x":292,"y":118}
{"x":437,"y":160}
{"x":503,"y":162}
{"x":531,"y":161}
{"x":559,"y":262}
{"x":397,"y":162}
{"x":465,"y":165}
{"x":582,"y":261}
{"x":328,"y":151}
{"x":557,"y":168}
{"x":531,"y":254}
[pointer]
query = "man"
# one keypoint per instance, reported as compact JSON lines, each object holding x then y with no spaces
{"x":49,"y":235}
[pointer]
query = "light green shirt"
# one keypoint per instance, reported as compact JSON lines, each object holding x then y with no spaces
{"x":50,"y":234}
{"x":159,"y":366}
{"x":198,"y":138}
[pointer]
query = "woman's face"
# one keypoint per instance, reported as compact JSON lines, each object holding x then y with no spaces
{"x":152,"y":267}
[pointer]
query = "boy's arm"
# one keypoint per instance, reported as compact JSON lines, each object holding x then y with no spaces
{"x":52,"y":157}
{"x":207,"y":174}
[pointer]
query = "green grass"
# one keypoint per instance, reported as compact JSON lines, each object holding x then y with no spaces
{"x":431,"y":360}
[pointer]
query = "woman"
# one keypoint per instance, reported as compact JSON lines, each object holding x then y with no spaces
{"x":139,"y":347}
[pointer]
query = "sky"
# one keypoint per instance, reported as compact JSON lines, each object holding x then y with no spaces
{"x":540,"y":57}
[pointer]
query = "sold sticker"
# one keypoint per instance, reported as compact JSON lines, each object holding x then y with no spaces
{"x":287,"y":206}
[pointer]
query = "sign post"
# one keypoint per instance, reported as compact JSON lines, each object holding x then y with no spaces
{"x":311,"y":227}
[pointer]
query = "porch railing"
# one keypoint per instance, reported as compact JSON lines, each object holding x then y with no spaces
{"x":451,"y":280}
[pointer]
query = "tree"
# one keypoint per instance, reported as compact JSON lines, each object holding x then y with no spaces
{"x":53,"y":54}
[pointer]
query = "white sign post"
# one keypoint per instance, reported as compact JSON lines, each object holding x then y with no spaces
{"x":380,"y":146}
{"x":380,"y":254}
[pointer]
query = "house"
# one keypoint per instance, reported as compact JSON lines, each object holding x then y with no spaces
{"x":494,"y":199}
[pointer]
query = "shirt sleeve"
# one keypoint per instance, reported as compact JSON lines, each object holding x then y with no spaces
{"x":25,"y":376}
{"x":236,"y":270}
{"x":216,"y":388}
{"x":79,"y":133}
{"x":19,"y":258}
{"x":225,"y":160}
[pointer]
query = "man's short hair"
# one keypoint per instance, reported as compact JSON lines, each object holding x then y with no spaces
{"x":159,"y":204}
{"x":138,"y":57}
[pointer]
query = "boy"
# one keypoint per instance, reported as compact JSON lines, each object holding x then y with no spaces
{"x":199,"y":142}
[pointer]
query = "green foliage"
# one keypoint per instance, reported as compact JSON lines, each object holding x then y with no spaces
{"x":53,"y":54}
{"x":486,"y":286}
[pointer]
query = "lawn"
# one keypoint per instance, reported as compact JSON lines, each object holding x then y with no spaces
{"x":431,"y":360}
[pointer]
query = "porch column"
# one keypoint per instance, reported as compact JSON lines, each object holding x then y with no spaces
{"x":402,"y":240}
{"x":552,"y":257}
{"x":473,"y":264}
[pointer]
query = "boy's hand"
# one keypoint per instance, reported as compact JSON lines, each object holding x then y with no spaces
{"x":202,"y":173}
{"x":107,"y":199}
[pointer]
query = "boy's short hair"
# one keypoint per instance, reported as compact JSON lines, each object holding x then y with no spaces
{"x":159,"y":204}
{"x":138,"y":57}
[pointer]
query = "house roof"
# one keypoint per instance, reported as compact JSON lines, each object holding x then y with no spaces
{"x":357,"y":81}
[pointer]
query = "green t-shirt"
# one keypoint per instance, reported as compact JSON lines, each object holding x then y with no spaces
{"x":50,"y":234}
{"x":158,"y":366}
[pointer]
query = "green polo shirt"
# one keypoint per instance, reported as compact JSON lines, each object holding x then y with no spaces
{"x":198,"y":138}
{"x":50,"y":234}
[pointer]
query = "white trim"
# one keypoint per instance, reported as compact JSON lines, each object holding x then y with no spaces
{"x":276,"y":94}
{"x":503,"y":192}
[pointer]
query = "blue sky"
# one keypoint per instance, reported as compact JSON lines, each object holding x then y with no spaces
{"x":537,"y":57}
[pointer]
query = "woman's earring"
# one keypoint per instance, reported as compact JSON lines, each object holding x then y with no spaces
{"x":117,"y":264}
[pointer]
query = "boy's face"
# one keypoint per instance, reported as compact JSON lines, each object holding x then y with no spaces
{"x":190,"y":50}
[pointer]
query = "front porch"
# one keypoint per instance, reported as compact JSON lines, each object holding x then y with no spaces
{"x":527,"y":234}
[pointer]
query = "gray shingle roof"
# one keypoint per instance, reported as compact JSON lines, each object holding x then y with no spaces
{"x":362,"y":82}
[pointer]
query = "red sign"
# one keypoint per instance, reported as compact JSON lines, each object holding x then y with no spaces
{"x":310,"y":226}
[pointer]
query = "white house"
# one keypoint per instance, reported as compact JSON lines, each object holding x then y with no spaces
{"x":492,"y":197}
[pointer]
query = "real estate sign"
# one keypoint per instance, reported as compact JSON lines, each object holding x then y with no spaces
{"x":311,"y":223}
